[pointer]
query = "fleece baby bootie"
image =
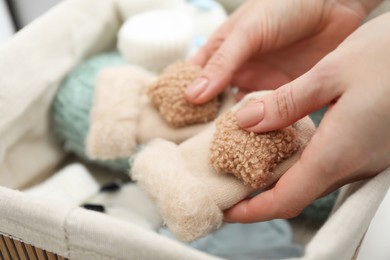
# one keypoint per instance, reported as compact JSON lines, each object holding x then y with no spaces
{"x":194,"y":182}
{"x":123,"y":115}
{"x":167,"y":96}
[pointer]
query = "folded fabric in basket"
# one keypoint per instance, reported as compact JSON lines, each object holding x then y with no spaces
{"x":128,"y":203}
{"x":264,"y":240}
{"x":71,"y":186}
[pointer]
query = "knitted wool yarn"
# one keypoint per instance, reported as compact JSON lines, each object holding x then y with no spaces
{"x":155,"y":39}
{"x":72,"y":105}
{"x":167,"y":95}
{"x":250,"y":156}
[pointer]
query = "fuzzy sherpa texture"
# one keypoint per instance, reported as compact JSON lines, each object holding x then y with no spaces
{"x":167,"y":95}
{"x":250,"y":156}
{"x":153,"y":125}
{"x":189,"y":193}
{"x":116,"y":111}
{"x":72,"y":105}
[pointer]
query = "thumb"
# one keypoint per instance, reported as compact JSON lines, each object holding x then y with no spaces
{"x":289,"y":103}
{"x":219,"y":70}
{"x":298,"y":187}
{"x":309,"y":178}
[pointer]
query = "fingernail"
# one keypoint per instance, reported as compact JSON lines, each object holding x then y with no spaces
{"x":198,"y":87}
{"x":250,"y":115}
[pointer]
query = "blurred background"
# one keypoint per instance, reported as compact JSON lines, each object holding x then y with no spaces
{"x":14,"y":14}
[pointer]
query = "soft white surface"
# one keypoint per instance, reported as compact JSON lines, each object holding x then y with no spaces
{"x":155,"y":39}
{"x":155,"y":25}
{"x":130,"y":204}
{"x":128,"y":8}
{"x":375,"y":244}
{"x":28,"y":10}
{"x":6,"y":27}
{"x":71,"y":185}
{"x":206,"y":16}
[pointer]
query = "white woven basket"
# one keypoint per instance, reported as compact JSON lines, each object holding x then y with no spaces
{"x":32,"y":65}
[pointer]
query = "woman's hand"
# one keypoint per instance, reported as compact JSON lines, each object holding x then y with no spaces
{"x":266,"y":44}
{"x":353,"y":140}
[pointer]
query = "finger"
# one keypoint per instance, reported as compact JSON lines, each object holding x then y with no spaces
{"x":304,"y":182}
{"x":212,"y":45}
{"x":257,"y":75}
{"x":217,"y":38}
{"x":240,"y":95}
{"x":219,"y":70}
{"x":290,"y":102}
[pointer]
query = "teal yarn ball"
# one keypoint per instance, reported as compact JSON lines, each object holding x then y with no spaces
{"x":72,"y":105}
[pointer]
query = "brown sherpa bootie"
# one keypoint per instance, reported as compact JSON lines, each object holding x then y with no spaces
{"x":122,"y":115}
{"x":188,"y":190}
{"x":167,"y":96}
{"x":249,"y":156}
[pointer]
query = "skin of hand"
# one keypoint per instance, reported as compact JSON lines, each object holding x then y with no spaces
{"x":266,"y":44}
{"x":352,"y":141}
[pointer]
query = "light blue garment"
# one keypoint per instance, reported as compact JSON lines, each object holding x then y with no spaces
{"x":264,"y":240}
